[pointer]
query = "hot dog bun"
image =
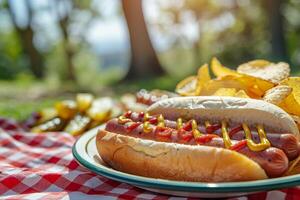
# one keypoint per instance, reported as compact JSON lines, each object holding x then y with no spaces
{"x":175,"y":161}
{"x":194,"y":163}
{"x":233,"y":109}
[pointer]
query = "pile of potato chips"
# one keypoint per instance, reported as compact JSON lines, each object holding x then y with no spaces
{"x":258,"y":79}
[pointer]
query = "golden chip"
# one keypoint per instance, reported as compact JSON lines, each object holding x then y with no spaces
{"x":219,"y":70}
{"x":292,"y":103}
{"x":277,"y":94}
{"x":241,"y":94}
{"x":187,"y":87}
{"x":202,"y":78}
{"x":265,"y":70}
{"x":258,"y":63}
{"x":293,"y":82}
{"x":225,"y":92}
{"x":213,"y":85}
{"x":254,"y":87}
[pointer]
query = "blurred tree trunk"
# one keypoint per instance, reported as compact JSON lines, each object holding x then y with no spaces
{"x":66,"y":43}
{"x":69,"y":53}
{"x":197,"y":53}
{"x":144,"y":62}
{"x":276,"y":27}
{"x":197,"y":45}
{"x":26,"y":35}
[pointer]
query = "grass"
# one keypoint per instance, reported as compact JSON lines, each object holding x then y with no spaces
{"x":21,"y":110}
{"x":18,"y":100}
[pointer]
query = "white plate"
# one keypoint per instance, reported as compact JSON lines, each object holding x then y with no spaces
{"x":85,"y":152}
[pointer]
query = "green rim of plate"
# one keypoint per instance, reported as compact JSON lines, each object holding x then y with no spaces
{"x":249,"y":186}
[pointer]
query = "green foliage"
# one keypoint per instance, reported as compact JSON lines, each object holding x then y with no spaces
{"x":90,"y":74}
{"x":178,"y":61}
{"x":292,"y":14}
{"x":55,"y":63}
{"x":243,"y":38}
{"x":12,"y":61}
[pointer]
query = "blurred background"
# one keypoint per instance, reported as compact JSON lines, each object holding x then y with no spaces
{"x":52,"y":49}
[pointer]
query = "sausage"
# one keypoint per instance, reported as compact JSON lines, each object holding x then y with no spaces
{"x":286,"y":142}
{"x":272,"y":160}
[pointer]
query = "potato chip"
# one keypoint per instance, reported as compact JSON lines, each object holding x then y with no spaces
{"x":254,"y":87}
{"x":292,"y":103}
{"x":293,"y":82}
{"x":213,"y":85}
{"x":219,"y":70}
{"x":225,"y":92}
{"x":202,"y":78}
{"x":265,"y":70}
{"x":255,"y":92}
{"x":255,"y":79}
{"x":187,"y":87}
{"x":259,"y":63}
{"x":228,"y":77}
{"x":277,"y":94}
{"x":241,"y":94}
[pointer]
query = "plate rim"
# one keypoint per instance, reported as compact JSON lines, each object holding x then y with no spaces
{"x":245,"y":186}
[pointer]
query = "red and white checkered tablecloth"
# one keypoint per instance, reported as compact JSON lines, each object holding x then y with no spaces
{"x":41,"y":166}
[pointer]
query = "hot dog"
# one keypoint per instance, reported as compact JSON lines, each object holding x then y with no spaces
{"x":286,"y":142}
{"x":202,"y":139}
